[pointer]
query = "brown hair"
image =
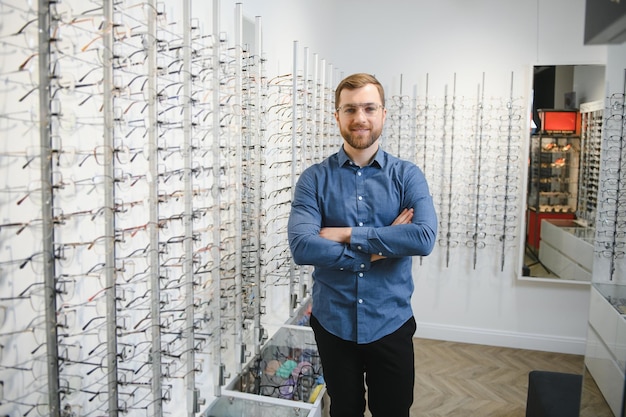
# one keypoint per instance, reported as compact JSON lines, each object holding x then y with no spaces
{"x":359,"y":80}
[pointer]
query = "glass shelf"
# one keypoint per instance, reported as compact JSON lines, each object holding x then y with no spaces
{"x":615,"y":294}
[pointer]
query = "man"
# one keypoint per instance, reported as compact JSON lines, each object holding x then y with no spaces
{"x":358,"y":217}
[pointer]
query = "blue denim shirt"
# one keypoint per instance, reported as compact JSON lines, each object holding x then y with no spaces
{"x":353,"y":298}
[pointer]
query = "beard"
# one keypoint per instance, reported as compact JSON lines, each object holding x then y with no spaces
{"x":361,"y":140}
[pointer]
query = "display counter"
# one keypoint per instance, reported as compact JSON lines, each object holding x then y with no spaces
{"x":227,"y":406}
{"x":566,"y":249}
{"x":284,"y":379}
{"x":605,"y":357}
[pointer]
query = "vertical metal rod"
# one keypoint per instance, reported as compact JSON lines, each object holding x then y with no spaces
{"x":52,"y":356}
{"x":400,"y":109}
{"x":189,"y":335}
{"x":425,"y":156}
{"x":258,"y":44}
{"x":303,"y":149}
{"x":322,"y":110}
{"x":216,"y":274}
{"x":109,"y":215}
{"x":619,"y":184}
{"x":451,"y":174}
{"x":330,"y":89}
{"x":153,"y":231}
{"x":315,"y":106}
{"x":294,"y":155}
{"x":479,"y":142}
{"x":239,"y":346}
{"x":443,"y":166}
{"x":508,"y":169}
{"x":413,"y":126}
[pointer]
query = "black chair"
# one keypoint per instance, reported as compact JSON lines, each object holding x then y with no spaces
{"x":553,"y":394}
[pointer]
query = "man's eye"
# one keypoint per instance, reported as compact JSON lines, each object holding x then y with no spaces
{"x":370,"y":109}
{"x":349,"y":110}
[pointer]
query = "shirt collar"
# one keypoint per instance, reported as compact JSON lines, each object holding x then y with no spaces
{"x":378,"y":161}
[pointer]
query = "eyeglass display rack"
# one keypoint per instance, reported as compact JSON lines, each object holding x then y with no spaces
{"x":553,"y":180}
{"x":146,"y":233}
{"x":592,"y":114}
{"x":605,"y":355}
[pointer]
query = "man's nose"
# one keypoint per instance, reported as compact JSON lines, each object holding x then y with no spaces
{"x":360,"y":113}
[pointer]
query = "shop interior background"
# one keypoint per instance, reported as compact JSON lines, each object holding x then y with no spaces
{"x":169,"y":171}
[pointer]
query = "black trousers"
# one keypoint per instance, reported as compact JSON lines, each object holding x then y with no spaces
{"x":388,"y":365}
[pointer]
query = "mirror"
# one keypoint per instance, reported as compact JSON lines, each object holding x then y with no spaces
{"x":560,"y":199}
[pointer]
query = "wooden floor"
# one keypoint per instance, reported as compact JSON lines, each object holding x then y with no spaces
{"x":466,"y":380}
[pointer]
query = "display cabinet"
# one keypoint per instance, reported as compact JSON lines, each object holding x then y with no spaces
{"x":554,"y":163}
{"x":288,"y":367}
{"x":244,"y":407}
{"x":553,"y":181}
{"x":592,"y":115}
{"x":566,"y":249}
{"x":605,"y":356}
{"x":287,"y":371}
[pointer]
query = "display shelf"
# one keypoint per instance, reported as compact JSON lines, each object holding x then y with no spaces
{"x":566,"y":249}
{"x":287,"y":368}
{"x":592,"y":115}
{"x":287,"y":371}
{"x":606,"y":342}
{"x":228,"y":406}
{"x":554,"y":166}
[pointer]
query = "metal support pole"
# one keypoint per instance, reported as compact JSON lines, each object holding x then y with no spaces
{"x":294,"y":155}
{"x":46,"y":209}
{"x":109,"y":220}
{"x":153,"y":230}
{"x":189,"y":334}
{"x":239,"y":346}
{"x":258,"y":43}
{"x":219,"y":372}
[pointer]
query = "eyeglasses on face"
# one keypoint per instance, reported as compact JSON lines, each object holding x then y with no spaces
{"x":351,"y":109}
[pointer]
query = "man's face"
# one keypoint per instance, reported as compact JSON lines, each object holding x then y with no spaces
{"x":360,"y":116}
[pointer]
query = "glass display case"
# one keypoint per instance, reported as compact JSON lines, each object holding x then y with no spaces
{"x":566,"y":249}
{"x":592,"y":114}
{"x":288,"y":370}
{"x":552,"y":182}
{"x":226,"y":406}
{"x":605,"y":356}
{"x":554,"y":163}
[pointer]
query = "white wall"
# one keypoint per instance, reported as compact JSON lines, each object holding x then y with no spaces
{"x":440,"y":39}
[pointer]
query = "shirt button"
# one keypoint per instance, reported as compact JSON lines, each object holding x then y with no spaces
{"x":362,"y":266}
{"x":360,"y":274}
{"x":360,"y":223}
{"x":358,"y":173}
{"x":380,"y":253}
{"x":341,"y":269}
{"x":360,"y":197}
{"x":359,"y":247}
{"x":360,"y":301}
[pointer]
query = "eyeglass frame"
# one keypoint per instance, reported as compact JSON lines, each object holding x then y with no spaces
{"x":363,"y":106}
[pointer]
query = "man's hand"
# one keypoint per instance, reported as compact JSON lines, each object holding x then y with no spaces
{"x":343,"y":234}
{"x":337,"y":234}
{"x":404,"y":217}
